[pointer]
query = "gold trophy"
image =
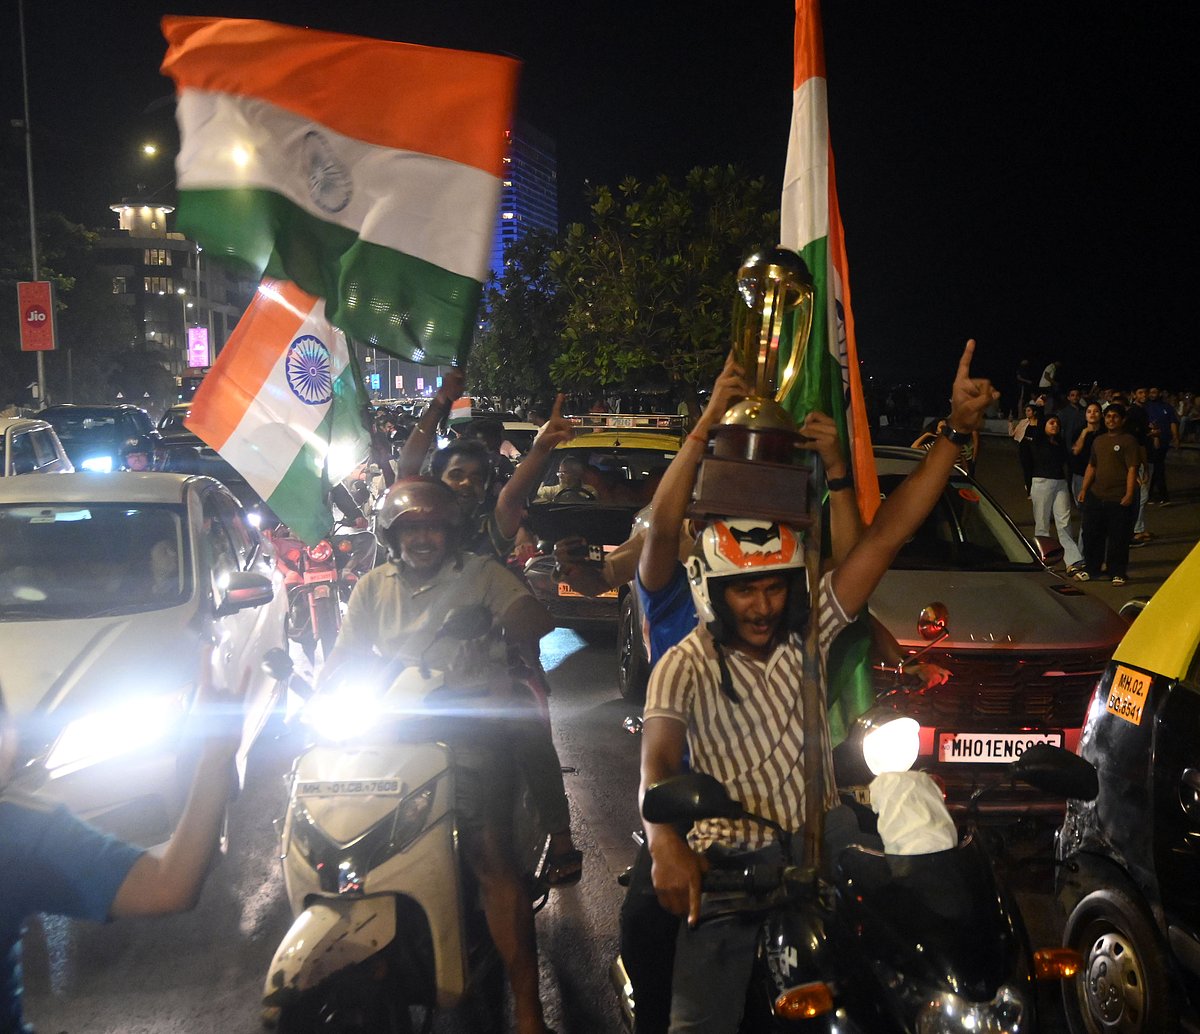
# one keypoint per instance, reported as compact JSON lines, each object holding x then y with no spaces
{"x":755,"y":463}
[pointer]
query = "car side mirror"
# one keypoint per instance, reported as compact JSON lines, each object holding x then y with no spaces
{"x":245,"y":589}
{"x":696,"y":795}
{"x":1057,"y":771}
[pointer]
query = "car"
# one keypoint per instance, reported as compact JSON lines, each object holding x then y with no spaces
{"x":31,"y":447}
{"x":1129,"y":859}
{"x":112,"y":590}
{"x":624,"y":457}
{"x":1025,"y":645}
{"x":95,"y":436}
{"x":180,"y":451}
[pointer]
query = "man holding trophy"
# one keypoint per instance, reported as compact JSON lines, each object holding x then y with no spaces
{"x":744,"y":692}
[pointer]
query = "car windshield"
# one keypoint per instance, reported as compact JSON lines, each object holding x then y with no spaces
{"x":617,"y":476}
{"x":965,"y":531}
{"x":82,"y":560}
{"x":86,"y":425}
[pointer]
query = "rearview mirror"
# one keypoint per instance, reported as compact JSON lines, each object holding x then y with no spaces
{"x":934,"y":622}
{"x":245,"y":589}
{"x":696,"y":795}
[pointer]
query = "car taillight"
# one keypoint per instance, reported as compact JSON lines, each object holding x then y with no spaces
{"x":321,"y":552}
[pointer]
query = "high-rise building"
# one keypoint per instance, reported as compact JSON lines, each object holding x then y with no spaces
{"x":529,"y":190}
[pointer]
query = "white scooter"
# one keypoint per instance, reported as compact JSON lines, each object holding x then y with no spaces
{"x":388,"y":927}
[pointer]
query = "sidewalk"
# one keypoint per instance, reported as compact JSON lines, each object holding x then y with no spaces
{"x":1176,"y":528}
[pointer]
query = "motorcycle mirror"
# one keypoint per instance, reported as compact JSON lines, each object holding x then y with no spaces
{"x":1057,"y":771}
{"x":277,"y":664}
{"x":696,"y":795}
{"x":934,"y":622}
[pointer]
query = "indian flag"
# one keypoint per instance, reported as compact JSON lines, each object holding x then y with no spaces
{"x":811,"y":224}
{"x":283,"y":406}
{"x":367,"y":172}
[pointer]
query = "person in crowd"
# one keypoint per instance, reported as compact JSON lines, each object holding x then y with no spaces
{"x":570,"y":487}
{"x":1022,"y":433}
{"x":490,"y":431}
{"x":1137,"y":423}
{"x":968,"y":454}
{"x":395,"y":613}
{"x":1024,"y":388}
{"x":1081,"y":445}
{"x":1071,"y":415}
{"x":138,"y":454}
{"x":742,"y":670}
{"x":1164,"y":433}
{"x":1108,"y":496}
{"x":1048,"y":385}
{"x":57,"y":864}
{"x":1049,"y":491}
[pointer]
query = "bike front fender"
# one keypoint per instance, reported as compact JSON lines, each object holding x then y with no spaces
{"x":327,"y":937}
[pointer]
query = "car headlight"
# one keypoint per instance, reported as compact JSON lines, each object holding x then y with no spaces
{"x":891,"y":742}
{"x":98,"y":464}
{"x":125,"y":728}
{"x":949,"y":1014}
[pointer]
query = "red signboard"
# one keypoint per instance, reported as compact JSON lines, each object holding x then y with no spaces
{"x":35,"y":307}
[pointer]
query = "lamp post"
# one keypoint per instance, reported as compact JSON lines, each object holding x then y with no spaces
{"x":33,"y":247}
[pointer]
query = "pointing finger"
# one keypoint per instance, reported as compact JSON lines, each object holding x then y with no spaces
{"x":964,"y":364}
{"x":556,"y":410}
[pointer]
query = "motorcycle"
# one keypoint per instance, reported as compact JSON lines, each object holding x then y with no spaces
{"x":387,"y":917}
{"x":320,"y":578}
{"x":886,"y":934}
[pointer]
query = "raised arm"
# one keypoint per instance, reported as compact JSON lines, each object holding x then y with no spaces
{"x":660,"y":553}
{"x":903,"y":511}
{"x":845,"y":523}
{"x":510,"y":505}
{"x":412,"y":455}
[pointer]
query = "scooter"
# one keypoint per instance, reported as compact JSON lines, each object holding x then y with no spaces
{"x":886,"y":935}
{"x":387,"y":921}
{"x":320,"y":578}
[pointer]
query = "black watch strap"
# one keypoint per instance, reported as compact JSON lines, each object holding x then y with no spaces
{"x":957,"y":437}
{"x":838,"y":484}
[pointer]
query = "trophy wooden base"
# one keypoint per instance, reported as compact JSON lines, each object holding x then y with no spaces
{"x":727,"y":487}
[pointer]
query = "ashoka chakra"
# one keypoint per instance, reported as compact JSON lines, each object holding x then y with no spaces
{"x":309,"y":370}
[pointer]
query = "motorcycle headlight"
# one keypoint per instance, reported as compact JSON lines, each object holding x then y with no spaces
{"x":98,"y":464}
{"x":343,"y":714}
{"x":891,"y":742}
{"x":949,"y":1014}
{"x":125,"y":728}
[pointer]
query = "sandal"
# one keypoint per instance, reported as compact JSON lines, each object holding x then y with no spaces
{"x":563,"y":870}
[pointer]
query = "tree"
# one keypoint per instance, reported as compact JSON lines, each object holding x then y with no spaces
{"x":522,"y":330}
{"x":649,"y":288}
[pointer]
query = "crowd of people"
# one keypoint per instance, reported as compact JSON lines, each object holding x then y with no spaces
{"x":1105,"y":453}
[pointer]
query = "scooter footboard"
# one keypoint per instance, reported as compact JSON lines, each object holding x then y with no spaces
{"x":325,"y":938}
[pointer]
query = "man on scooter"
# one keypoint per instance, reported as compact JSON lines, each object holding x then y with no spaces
{"x":395,"y":613}
{"x":730,"y":691}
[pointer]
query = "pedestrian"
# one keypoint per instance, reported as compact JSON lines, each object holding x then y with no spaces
{"x":1022,"y":432}
{"x":1071,"y":415}
{"x":1049,"y":493}
{"x":1108,"y":496}
{"x":1164,"y":432}
{"x":1081,"y":447}
{"x":1024,"y":388}
{"x":1048,"y":386}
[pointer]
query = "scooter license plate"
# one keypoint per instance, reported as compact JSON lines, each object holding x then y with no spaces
{"x":349,"y":788}
{"x":565,"y":590}
{"x":990,"y":748}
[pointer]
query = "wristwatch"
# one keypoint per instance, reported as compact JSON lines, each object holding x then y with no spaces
{"x":957,"y":437}
{"x":838,"y":484}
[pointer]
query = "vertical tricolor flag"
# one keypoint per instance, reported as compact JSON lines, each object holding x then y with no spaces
{"x":367,"y":172}
{"x":811,"y":224}
{"x":283,"y":406}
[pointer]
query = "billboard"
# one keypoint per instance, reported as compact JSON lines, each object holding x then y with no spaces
{"x":197,"y":348}
{"x":35,"y":308}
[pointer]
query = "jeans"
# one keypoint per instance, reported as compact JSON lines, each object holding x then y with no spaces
{"x":1158,"y":476}
{"x":1106,"y":529}
{"x":1051,"y":499}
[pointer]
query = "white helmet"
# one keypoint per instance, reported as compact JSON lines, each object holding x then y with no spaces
{"x":729,"y":548}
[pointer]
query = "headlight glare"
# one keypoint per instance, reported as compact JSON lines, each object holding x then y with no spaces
{"x":892,"y":744}
{"x":949,"y":1014}
{"x":98,"y":464}
{"x":343,"y":714}
{"x":130,"y":726}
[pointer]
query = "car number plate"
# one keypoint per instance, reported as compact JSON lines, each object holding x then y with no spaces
{"x":990,"y":748}
{"x":348,"y":788}
{"x":565,"y":590}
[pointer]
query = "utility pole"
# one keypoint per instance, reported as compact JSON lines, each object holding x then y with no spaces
{"x":33,"y":248}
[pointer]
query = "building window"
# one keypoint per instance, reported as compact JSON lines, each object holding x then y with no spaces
{"x":156,"y":257}
{"x":119,"y":285}
{"x":158,"y":285}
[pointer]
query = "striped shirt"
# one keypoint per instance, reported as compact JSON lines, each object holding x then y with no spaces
{"x":755,"y":748}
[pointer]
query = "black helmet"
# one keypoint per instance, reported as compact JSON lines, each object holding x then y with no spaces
{"x":144,"y":444}
{"x":418,"y":500}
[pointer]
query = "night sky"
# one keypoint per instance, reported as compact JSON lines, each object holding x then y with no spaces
{"x":1020,"y":172}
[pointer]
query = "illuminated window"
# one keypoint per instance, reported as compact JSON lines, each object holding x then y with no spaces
{"x":119,"y":285}
{"x":158,"y":285}
{"x":156,"y":257}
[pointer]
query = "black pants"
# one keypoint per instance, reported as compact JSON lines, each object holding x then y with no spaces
{"x":1106,"y":531}
{"x":1158,"y":476}
{"x":648,"y":934}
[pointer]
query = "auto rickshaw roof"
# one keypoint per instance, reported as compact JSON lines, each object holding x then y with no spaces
{"x":1165,"y":636}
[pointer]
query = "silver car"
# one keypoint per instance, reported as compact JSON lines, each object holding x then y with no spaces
{"x":111,"y":588}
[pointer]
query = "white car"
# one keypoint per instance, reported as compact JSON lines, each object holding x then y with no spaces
{"x":31,"y":447}
{"x":110,"y":589}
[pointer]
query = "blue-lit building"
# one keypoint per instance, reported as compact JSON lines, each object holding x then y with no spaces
{"x":529,"y":190}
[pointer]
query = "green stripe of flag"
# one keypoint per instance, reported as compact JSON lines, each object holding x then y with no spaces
{"x":427,"y":316}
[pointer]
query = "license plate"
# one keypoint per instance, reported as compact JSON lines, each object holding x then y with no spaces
{"x":565,"y":590}
{"x":990,"y":748}
{"x":320,"y":591}
{"x":349,"y":788}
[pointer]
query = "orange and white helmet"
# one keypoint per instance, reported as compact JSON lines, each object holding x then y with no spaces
{"x":743,"y":548}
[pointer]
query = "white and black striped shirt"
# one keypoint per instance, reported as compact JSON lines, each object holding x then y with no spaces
{"x":755,"y":747}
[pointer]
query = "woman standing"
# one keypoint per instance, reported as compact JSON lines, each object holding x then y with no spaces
{"x":1023,"y":433}
{"x":1049,"y":492}
{"x":1081,"y":448}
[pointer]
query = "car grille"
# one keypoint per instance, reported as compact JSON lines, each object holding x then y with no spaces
{"x":1051,"y":689}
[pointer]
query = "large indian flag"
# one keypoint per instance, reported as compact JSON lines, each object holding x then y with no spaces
{"x":367,"y":172}
{"x":282,"y":405}
{"x":811,"y":224}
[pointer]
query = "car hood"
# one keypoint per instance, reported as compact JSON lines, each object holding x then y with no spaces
{"x":998,"y":610}
{"x":69,"y":665}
